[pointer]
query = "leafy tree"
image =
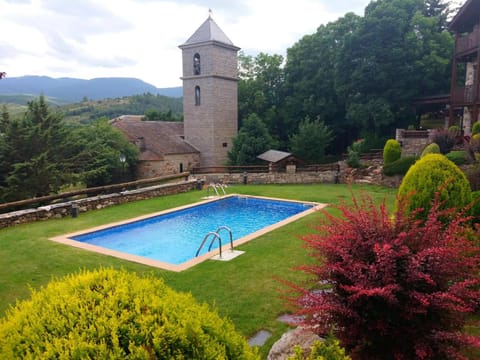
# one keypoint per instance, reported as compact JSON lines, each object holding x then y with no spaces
{"x":397,"y":54}
{"x":32,"y":161}
{"x":312,"y":139}
{"x":259,"y":92}
{"x":4,"y":119}
{"x":97,"y":151}
{"x":393,"y":288}
{"x":252,"y":140}
{"x":311,"y":73}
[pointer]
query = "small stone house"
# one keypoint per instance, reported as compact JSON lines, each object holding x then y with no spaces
{"x":163,"y":151}
{"x":279,"y":160}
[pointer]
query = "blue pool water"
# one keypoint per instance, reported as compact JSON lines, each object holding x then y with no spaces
{"x":175,"y":237}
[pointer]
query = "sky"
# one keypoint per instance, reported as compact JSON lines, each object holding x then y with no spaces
{"x":139,"y":38}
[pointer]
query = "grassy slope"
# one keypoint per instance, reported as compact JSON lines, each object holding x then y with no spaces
{"x":245,"y":289}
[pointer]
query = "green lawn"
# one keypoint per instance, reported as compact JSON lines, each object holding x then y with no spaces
{"x":245,"y":289}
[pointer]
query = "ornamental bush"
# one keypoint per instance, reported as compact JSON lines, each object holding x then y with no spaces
{"x":392,"y":151}
{"x":476,"y":128}
{"x":432,"y":173}
{"x":458,"y":157}
{"x":329,"y":349}
{"x":445,"y":139}
{"x":108,"y":314}
{"x":399,"y":167}
{"x":432,"y":148}
{"x":398,"y":288}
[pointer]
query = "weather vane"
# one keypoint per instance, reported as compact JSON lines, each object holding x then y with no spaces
{"x":210,"y":12}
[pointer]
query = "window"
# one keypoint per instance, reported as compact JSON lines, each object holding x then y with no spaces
{"x":196,"y":64}
{"x":181,"y":167}
{"x":197,"y":95}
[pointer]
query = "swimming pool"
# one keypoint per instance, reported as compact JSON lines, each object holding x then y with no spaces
{"x":171,"y":239}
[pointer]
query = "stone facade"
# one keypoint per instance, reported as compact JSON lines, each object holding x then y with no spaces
{"x":210,"y":105}
{"x":171,"y":164}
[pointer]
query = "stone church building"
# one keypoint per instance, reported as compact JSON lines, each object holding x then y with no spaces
{"x":210,"y":108}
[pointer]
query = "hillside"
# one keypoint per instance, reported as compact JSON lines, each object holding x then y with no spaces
{"x":70,"y":90}
{"x":89,"y":110}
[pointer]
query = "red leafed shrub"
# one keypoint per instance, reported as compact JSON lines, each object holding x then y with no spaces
{"x":393,"y":287}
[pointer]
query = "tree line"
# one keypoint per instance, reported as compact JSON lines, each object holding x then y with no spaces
{"x":356,"y":77}
{"x":40,"y":153}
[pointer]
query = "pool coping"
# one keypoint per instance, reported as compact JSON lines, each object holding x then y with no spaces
{"x":65,"y":238}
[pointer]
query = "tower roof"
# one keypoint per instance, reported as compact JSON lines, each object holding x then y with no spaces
{"x":208,"y":31}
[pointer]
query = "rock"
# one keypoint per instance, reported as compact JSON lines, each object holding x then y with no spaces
{"x":284,"y":347}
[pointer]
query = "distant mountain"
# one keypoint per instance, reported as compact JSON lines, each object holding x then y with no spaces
{"x":75,"y":90}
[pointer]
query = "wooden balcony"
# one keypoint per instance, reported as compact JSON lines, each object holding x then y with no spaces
{"x":464,"y":95}
{"x":467,"y":43}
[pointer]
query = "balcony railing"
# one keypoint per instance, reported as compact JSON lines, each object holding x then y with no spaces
{"x":465,"y":95}
{"x":468,"y":42}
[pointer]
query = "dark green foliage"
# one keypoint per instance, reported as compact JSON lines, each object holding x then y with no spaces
{"x":32,"y":154}
{"x":310,"y":142}
{"x":252,"y":140}
{"x":455,"y":129}
{"x":109,"y":314}
{"x":39,"y":154}
{"x":434,"y":173}
{"x":445,"y":139}
{"x":96,"y":150}
{"x":399,"y":167}
{"x":259,"y":92}
{"x":432,"y":148}
{"x":353,"y":153}
{"x":476,"y":128}
{"x":458,"y":157}
{"x":392,"y":151}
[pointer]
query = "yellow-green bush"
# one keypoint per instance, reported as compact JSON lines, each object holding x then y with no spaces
{"x":432,"y":148}
{"x":432,"y":173}
{"x":109,"y":314}
{"x":392,"y":151}
{"x":329,"y":349}
{"x":476,"y":128}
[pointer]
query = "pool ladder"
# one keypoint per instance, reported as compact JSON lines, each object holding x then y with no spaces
{"x":216,"y":236}
{"x":215,"y":188}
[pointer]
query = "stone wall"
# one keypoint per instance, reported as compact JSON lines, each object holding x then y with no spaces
{"x":413,"y":141}
{"x":170,"y":165}
{"x":74,"y":207}
{"x":270,"y":178}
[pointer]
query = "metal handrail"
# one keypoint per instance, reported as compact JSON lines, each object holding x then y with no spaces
{"x":205,"y":239}
{"x":217,"y":232}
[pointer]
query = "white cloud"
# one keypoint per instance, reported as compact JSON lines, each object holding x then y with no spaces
{"x":140,"y":38}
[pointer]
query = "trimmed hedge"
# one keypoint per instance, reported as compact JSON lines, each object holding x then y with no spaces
{"x":458,"y":157}
{"x":476,"y":128}
{"x":109,"y":314}
{"x":432,"y":173}
{"x":399,"y":167}
{"x":392,"y":151}
{"x":432,"y":148}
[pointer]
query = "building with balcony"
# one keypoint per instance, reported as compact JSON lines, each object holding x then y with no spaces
{"x":464,"y":91}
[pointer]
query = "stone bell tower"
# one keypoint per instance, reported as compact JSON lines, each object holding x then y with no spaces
{"x":210,"y":104}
